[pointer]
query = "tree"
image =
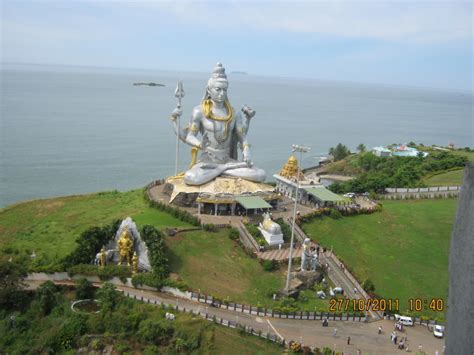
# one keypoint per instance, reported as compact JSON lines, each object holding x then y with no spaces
{"x":361,"y":148}
{"x":89,"y":244}
{"x":46,"y":295}
{"x":108,"y":297}
{"x":84,"y":289}
{"x":11,"y":284}
{"x":339,"y":152}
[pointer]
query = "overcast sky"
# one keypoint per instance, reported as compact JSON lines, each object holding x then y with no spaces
{"x":409,"y":43}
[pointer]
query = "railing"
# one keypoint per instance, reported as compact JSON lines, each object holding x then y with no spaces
{"x":264,"y":312}
{"x":246,"y":239}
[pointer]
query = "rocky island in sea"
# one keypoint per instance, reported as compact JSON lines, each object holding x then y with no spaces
{"x":148,"y":84}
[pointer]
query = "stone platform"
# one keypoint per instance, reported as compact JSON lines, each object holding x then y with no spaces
{"x":222,"y":190}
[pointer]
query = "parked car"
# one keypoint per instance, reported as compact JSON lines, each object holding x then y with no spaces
{"x":438,"y":331}
{"x":404,"y":320}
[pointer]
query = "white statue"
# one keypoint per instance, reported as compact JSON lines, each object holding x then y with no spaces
{"x":306,"y":255}
{"x":109,"y":255}
{"x":271,"y":230}
{"x":222,"y":129}
{"x":314,"y":259}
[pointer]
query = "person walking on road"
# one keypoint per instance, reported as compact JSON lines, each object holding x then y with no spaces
{"x":380,"y":329}
{"x":334,"y":333}
{"x":348,"y":340}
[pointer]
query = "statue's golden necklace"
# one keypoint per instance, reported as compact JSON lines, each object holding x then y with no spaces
{"x":207,"y":109}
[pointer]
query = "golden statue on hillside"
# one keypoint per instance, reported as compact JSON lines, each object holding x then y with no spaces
{"x":125,"y":246}
{"x":135,"y":262}
{"x":103,"y":257}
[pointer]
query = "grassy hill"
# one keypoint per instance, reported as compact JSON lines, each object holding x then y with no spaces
{"x":51,"y":226}
{"x":449,"y":178}
{"x":403,"y":249}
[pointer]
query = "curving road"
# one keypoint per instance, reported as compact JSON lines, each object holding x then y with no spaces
{"x":364,"y":336}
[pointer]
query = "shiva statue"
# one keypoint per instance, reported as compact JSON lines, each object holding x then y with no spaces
{"x":222,"y":129}
{"x":125,"y":246}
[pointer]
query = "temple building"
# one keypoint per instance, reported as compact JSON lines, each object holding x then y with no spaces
{"x":311,"y":191}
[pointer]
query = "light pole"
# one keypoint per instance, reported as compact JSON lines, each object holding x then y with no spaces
{"x":301,"y":149}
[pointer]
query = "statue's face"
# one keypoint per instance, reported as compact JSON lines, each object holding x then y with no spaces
{"x":218,"y":91}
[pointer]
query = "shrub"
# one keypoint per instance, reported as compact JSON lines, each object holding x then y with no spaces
{"x":335,"y":214}
{"x":233,"y":234}
{"x":156,"y":250}
{"x":11,"y":284}
{"x":46,"y":295}
{"x":270,"y":265}
{"x":368,"y":286}
{"x":147,"y":278}
{"x":71,"y":330}
{"x":155,"y":331}
{"x":109,"y":298}
{"x":209,"y":227}
{"x":84,"y":289}
{"x":105,"y":273}
{"x":176,"y":212}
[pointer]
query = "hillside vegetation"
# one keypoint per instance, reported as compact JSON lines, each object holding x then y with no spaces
{"x":403,"y":249}
{"x":51,"y":227}
{"x":375,"y":173}
{"x":45,"y":324}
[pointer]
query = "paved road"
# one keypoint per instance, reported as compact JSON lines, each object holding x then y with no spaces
{"x":364,"y":336}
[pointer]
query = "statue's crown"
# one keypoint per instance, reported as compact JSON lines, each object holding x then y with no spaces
{"x":219,"y":72}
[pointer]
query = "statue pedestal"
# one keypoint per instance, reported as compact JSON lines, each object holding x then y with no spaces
{"x":272,"y":239}
{"x":220,"y":191}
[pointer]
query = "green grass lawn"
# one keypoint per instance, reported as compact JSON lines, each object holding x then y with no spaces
{"x":51,"y":226}
{"x":403,"y":249}
{"x":216,"y":265}
{"x":450,"y":178}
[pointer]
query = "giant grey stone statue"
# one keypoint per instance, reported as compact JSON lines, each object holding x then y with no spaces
{"x":222,"y":130}
{"x":460,"y":325}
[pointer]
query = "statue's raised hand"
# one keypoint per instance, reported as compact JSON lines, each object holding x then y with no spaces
{"x":248,"y":111}
{"x":177,"y":112}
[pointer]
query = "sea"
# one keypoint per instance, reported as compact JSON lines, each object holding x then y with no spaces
{"x":71,"y":130}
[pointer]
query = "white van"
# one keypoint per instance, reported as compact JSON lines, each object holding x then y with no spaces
{"x":438,"y":331}
{"x":406,"y":320}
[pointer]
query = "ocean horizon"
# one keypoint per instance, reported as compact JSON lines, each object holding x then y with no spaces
{"x":72,"y":130}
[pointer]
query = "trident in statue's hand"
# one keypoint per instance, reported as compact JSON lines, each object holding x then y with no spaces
{"x":175,"y":115}
{"x":179,"y":94}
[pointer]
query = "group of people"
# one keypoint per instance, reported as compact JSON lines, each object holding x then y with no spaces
{"x":403,"y":342}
